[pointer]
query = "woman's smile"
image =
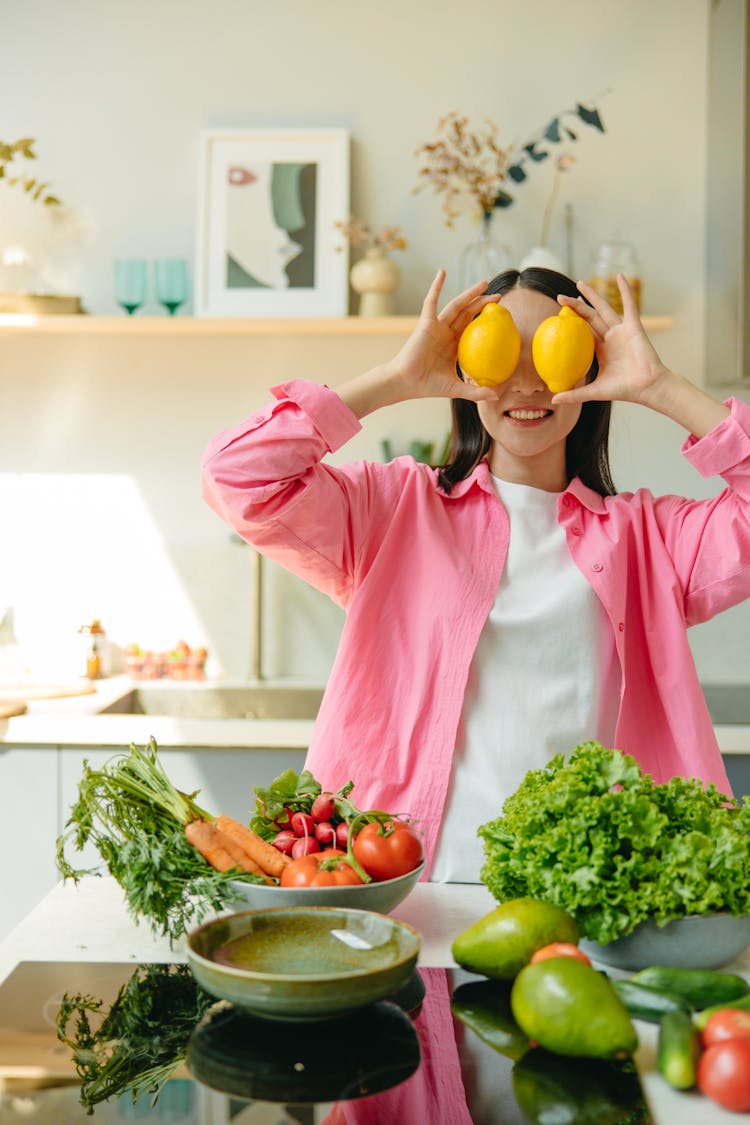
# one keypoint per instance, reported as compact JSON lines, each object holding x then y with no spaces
{"x":524,"y":415}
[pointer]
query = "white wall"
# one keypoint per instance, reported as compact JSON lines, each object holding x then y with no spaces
{"x":118,"y":96}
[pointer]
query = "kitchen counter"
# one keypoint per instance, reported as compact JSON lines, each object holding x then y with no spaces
{"x":78,"y":721}
{"x":89,"y":922}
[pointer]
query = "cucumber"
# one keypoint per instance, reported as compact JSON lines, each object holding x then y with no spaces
{"x":700,"y":1019}
{"x":701,"y":988}
{"x":678,"y":1050}
{"x":646,"y":1003}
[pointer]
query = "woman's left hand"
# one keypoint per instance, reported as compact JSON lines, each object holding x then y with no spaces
{"x":630,"y":369}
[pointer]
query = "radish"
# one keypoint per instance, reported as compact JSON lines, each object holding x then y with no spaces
{"x":284,"y":841}
{"x":304,"y":845}
{"x":325,"y":833}
{"x":302,"y":824}
{"x":323,"y":807}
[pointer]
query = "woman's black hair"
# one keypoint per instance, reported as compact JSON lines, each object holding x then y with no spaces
{"x":586,"y":450}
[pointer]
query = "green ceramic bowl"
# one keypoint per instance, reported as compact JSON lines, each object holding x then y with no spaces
{"x":302,"y":963}
{"x":382,"y":897}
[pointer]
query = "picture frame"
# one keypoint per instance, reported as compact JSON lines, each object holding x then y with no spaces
{"x":267,"y":245}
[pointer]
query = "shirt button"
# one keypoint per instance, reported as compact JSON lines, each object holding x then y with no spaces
{"x":597,"y":566}
{"x":575,"y":531}
{"x":621,"y":626}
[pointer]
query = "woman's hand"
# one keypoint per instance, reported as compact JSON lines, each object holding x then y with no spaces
{"x":426,"y":364}
{"x":630,"y":369}
{"x":425,"y":367}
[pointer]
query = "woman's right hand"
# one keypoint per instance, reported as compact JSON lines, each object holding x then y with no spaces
{"x":425,"y":367}
{"x":426,"y":364}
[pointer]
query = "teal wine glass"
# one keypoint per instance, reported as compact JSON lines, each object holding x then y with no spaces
{"x":171,"y":281}
{"x":131,"y":283}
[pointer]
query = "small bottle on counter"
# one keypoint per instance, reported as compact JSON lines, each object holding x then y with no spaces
{"x":94,"y":655}
{"x":612,"y":258}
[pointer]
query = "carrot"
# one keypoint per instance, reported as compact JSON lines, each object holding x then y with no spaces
{"x":219,"y":848}
{"x":268,"y":858}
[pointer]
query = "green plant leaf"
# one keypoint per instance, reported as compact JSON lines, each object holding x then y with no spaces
{"x":552,"y":132}
{"x":590,"y":117}
{"x":535,"y":154}
{"x":516,"y":173}
{"x":503,"y":199}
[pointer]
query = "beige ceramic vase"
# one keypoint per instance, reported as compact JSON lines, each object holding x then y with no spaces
{"x":375,"y":277}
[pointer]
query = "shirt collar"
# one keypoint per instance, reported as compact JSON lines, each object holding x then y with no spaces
{"x":482,"y":478}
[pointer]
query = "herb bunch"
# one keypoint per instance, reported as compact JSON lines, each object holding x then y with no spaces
{"x":140,"y":1041}
{"x":594,"y":834}
{"x":136,"y":818}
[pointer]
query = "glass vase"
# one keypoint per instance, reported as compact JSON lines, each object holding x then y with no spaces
{"x":486,"y":256}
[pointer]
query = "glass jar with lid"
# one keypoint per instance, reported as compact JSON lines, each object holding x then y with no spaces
{"x":613,"y":257}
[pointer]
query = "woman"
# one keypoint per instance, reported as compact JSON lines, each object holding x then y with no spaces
{"x":509,"y":605}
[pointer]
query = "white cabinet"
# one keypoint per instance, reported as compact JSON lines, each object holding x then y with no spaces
{"x":28,"y":829}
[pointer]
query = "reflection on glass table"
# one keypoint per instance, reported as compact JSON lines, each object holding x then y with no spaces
{"x":145,"y":1041}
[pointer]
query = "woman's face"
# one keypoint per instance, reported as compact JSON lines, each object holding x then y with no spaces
{"x":528,"y":433}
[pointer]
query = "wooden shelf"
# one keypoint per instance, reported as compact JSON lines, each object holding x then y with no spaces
{"x":177,"y":326}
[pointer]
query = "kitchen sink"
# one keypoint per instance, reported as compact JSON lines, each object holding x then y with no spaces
{"x":211,"y":701}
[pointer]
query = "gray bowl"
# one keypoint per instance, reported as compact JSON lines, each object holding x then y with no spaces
{"x":302,"y":963}
{"x":381,"y":897}
{"x":699,"y":941}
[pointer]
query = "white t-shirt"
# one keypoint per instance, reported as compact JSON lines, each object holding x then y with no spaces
{"x":544,"y":678}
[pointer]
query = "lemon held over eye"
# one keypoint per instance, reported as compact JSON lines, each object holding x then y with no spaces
{"x":562,"y":349}
{"x":489,"y":347}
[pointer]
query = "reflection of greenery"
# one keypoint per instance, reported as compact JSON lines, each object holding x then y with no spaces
{"x":36,"y":189}
{"x":420,"y":450}
{"x":142,"y":1039}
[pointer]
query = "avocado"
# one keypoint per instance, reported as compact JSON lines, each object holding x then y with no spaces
{"x":502,"y":942}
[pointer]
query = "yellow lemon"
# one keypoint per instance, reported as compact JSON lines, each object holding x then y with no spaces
{"x":562,"y":349}
{"x":489,"y":347}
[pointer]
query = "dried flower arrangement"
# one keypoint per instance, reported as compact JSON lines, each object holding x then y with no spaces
{"x":465,"y":163}
{"x":361,"y":236}
{"x":35,"y":188}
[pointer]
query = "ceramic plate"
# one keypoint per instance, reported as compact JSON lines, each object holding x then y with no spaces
{"x":302,"y":963}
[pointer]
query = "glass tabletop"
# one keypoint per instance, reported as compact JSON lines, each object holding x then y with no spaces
{"x":444,"y":1050}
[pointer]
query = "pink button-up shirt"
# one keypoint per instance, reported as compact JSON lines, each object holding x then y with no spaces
{"x":417,"y":571}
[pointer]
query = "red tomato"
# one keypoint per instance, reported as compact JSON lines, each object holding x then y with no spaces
{"x":559,"y":949}
{"x":387,"y":850}
{"x":729,"y":1023}
{"x":724,"y":1074}
{"x":320,"y":869}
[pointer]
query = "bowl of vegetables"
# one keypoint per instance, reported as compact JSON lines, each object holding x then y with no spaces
{"x":179,"y":863}
{"x":302,"y":962}
{"x":316,"y":848}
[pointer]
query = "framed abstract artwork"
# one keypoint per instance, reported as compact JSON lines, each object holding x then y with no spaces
{"x":267,"y":245}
